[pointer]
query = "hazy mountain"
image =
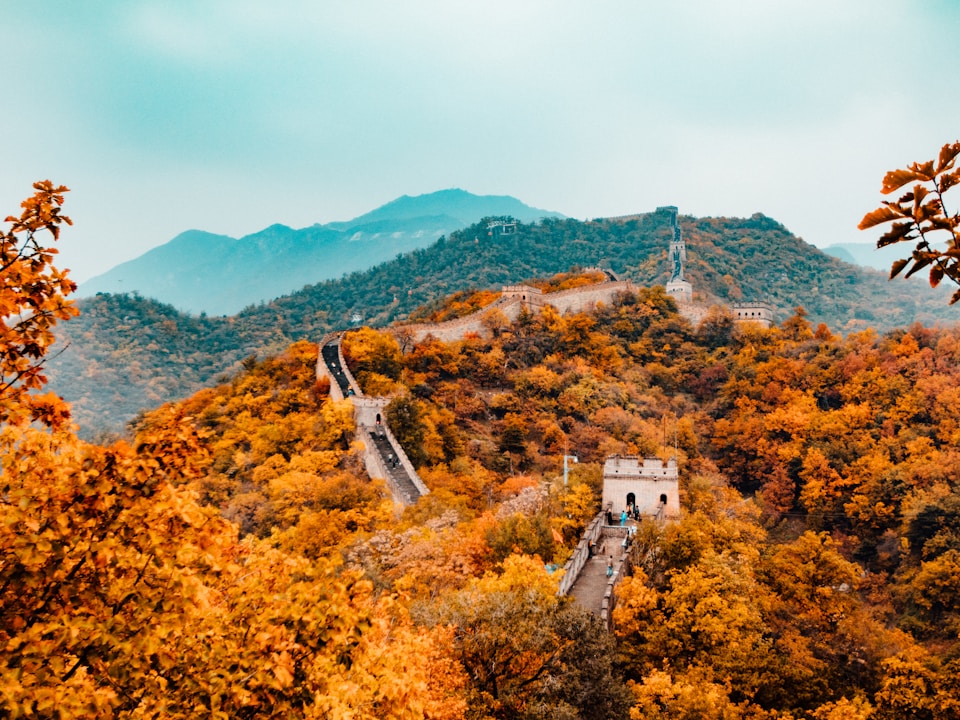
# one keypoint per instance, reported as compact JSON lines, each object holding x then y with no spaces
{"x":868,"y":254}
{"x":200,"y":272}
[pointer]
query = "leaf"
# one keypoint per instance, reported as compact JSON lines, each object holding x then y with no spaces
{"x":925,"y":170}
{"x":948,"y":180}
{"x":880,"y":216}
{"x":936,"y":275}
{"x":897,"y":233}
{"x":898,"y":267}
{"x":947,"y":155}
{"x":921,"y":260}
{"x":896,"y":179}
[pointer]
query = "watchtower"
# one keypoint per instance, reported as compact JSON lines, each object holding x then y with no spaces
{"x":677,"y":287}
{"x":648,"y":484}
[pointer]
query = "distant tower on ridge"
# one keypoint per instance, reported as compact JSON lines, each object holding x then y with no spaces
{"x":677,"y":288}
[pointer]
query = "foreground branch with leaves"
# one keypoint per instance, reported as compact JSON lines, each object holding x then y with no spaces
{"x":32,"y":299}
{"x":920,"y":216}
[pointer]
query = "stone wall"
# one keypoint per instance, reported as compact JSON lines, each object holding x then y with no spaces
{"x":621,"y":569}
{"x":375,"y":466}
{"x":368,"y":415}
{"x":516,"y":298}
{"x":513,"y":300}
{"x":571,"y":571}
{"x":582,"y":299}
{"x":324,"y":372}
{"x":458,"y":328}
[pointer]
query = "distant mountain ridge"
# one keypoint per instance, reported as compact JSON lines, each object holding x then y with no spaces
{"x":868,"y":254}
{"x":201,"y":272}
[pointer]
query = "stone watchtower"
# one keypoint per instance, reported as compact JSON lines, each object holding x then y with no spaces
{"x":648,"y":484}
{"x":677,"y":288}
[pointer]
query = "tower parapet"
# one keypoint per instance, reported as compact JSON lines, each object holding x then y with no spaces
{"x":647,"y":485}
{"x":758,"y":312}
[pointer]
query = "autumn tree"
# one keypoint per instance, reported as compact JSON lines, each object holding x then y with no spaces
{"x":374,"y":357}
{"x":121,"y":596}
{"x":32,"y":299}
{"x":530,"y":654}
{"x":921,"y":216}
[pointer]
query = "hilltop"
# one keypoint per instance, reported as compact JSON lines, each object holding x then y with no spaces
{"x":200,"y":272}
{"x":866,"y":254}
{"x":127,"y":353}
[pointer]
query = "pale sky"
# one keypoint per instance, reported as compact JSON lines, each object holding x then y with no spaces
{"x":231,"y":115}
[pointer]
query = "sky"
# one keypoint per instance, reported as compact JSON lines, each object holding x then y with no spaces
{"x":231,"y":115}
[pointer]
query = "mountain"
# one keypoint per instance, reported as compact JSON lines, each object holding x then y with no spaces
{"x":199,"y":272}
{"x":869,"y":255}
{"x":126,"y":353}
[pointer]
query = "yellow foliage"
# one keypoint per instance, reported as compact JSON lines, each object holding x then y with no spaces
{"x":661,"y":696}
{"x":521,"y":573}
{"x":337,"y":419}
{"x":636,"y":602}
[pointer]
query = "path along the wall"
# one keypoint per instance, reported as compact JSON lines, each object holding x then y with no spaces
{"x":383,"y":457}
{"x":517,"y":298}
{"x":600,"y":561}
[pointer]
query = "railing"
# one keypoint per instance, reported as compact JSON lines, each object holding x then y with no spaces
{"x":324,"y":370}
{"x":622,"y":568}
{"x":571,"y":570}
{"x":405,"y":461}
{"x":377,"y":469}
{"x":620,"y":571}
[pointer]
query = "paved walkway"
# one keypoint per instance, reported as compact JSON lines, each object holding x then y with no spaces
{"x":331,"y":358}
{"x":591,"y":584}
{"x":397,"y":472}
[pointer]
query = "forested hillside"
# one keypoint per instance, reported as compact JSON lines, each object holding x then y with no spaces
{"x":813,"y":573}
{"x":234,"y":560}
{"x":126,"y":354}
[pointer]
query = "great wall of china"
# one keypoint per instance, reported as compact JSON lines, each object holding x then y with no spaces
{"x":601,"y":558}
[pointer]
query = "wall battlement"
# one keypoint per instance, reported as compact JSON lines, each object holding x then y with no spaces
{"x":515,"y":299}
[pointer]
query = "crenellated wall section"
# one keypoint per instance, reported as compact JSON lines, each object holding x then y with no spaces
{"x":514,"y":299}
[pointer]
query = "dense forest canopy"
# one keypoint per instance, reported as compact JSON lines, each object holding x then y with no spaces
{"x":814,"y":569}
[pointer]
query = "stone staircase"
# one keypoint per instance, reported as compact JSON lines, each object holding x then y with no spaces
{"x":383,"y":456}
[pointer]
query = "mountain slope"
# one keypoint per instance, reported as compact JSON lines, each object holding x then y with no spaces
{"x":200,"y":272}
{"x":127,"y":354}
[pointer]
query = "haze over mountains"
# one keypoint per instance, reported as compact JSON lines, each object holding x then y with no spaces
{"x":868,"y":255}
{"x":200,"y":272}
